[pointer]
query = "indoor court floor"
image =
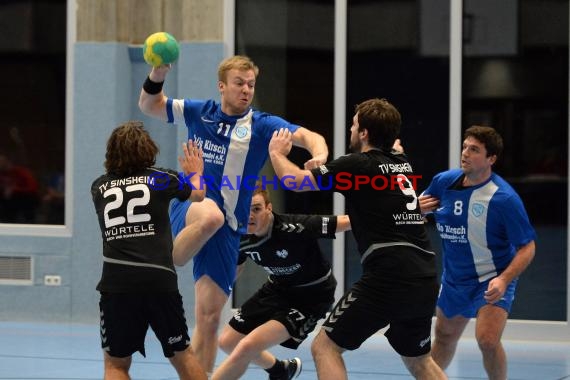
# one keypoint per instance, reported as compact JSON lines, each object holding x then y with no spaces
{"x":42,"y":351}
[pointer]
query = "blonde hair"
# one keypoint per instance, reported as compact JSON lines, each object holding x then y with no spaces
{"x":238,"y":62}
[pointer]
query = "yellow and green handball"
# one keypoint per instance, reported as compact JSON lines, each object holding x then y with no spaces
{"x":160,"y":49}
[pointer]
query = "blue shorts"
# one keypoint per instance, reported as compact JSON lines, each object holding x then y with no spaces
{"x":466,"y":300}
{"x":177,"y":213}
{"x":218,"y":257}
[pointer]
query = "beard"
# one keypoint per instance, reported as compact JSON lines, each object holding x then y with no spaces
{"x":355,"y":146}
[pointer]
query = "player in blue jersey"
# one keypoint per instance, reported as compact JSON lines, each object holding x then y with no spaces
{"x":398,"y":286}
{"x":234,"y":138}
{"x":488,"y":242}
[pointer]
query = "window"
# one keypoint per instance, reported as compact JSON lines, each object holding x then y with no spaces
{"x":33,"y":91}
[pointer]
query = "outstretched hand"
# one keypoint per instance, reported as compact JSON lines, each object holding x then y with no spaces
{"x":191,"y":160}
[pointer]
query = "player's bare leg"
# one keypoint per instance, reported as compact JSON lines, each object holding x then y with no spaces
{"x":491,"y":321}
{"x":447,"y":334}
{"x":210,"y":300}
{"x":116,"y":368}
{"x":328,"y":358}
{"x":187,"y":365}
{"x":203,"y":219}
{"x":253,"y":347}
{"x":424,"y":368}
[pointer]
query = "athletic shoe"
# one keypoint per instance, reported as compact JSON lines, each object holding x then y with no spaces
{"x":292,"y":370}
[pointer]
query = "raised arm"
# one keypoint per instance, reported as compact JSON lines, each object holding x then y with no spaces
{"x":296,"y":179}
{"x":152,"y":101}
{"x":314,"y":143}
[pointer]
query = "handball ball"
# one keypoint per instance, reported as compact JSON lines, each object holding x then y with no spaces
{"x":160,"y":49}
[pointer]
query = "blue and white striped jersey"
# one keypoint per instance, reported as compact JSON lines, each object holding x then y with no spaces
{"x":481,"y":226}
{"x":235,"y":150}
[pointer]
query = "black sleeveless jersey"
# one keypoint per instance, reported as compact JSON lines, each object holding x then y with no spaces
{"x":290,"y":252}
{"x":135,"y":227}
{"x":383,"y":206}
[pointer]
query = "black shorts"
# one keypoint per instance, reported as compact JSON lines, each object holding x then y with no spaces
{"x":125,"y":318}
{"x":374,"y":302}
{"x":297,"y":308}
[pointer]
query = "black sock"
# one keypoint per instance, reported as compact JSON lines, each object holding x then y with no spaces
{"x":277,"y":368}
